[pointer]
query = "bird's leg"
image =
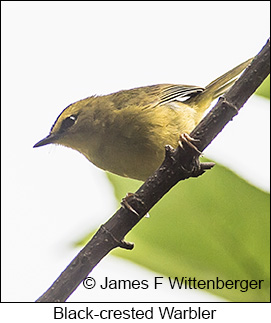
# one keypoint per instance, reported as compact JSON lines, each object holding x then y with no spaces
{"x":194,"y":168}
{"x":185,"y":138}
{"x":124,"y":203}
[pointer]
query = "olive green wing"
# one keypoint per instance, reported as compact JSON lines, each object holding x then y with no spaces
{"x":151,"y":96}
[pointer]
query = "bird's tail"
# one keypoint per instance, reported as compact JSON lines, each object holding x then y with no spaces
{"x":222,"y":83}
{"x":218,"y":87}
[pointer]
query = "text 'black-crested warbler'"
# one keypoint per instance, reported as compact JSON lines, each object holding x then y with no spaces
{"x":125,"y":132}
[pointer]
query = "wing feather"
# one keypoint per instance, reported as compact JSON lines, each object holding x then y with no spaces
{"x":179,"y":93}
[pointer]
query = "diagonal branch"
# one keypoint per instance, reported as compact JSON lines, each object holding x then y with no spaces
{"x":179,"y":164}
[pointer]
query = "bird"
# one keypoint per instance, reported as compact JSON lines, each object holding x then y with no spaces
{"x":125,"y":133}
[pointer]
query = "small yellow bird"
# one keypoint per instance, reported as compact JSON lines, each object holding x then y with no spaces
{"x":125,"y":132}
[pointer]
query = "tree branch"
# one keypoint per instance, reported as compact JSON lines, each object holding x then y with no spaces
{"x":179,"y":164}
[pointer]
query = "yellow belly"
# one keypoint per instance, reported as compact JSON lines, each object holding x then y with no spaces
{"x":133,"y":144}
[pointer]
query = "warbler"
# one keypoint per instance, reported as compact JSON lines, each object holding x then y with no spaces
{"x":125,"y":132}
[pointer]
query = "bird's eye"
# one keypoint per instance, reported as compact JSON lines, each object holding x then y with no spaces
{"x":67,"y":123}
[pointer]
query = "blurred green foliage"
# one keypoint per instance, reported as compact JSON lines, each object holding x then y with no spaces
{"x":214,"y":226}
{"x":264,"y":89}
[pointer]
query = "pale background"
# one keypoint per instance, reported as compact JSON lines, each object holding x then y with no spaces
{"x":56,"y":53}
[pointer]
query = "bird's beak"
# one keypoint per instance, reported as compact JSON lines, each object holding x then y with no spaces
{"x":50,"y":139}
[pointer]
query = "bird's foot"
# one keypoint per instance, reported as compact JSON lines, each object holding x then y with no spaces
{"x":124,"y":203}
{"x":185,"y":138}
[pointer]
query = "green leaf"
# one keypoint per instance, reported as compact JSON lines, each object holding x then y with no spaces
{"x":264,"y":89}
{"x":214,"y":226}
